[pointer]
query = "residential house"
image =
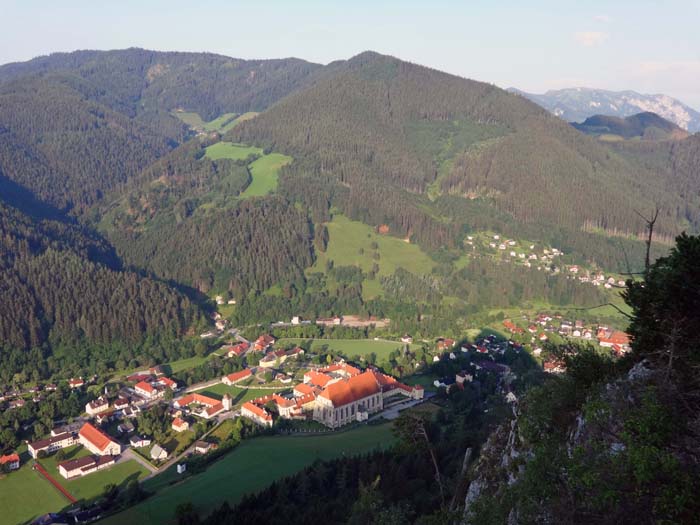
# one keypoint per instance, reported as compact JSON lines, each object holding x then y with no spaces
{"x":125,"y":428}
{"x":235,"y":350}
{"x":139,"y":441}
{"x":10,"y":461}
{"x":180,"y":425}
{"x":202,"y":447}
{"x":76,"y":382}
{"x":205,"y":407}
{"x":120,"y":403}
{"x":158,"y":453}
{"x":98,"y":405}
{"x":263,"y":342}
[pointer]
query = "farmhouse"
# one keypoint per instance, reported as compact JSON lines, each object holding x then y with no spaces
{"x":51,"y":444}
{"x":279,"y":357}
{"x":85,"y":465}
{"x":608,"y":338}
{"x":10,"y":461}
{"x":97,"y":441}
{"x":167,"y":382}
{"x":234,"y":378}
{"x":76,"y":382}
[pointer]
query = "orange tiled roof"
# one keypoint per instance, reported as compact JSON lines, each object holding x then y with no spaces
{"x":317,"y":378}
{"x":196,"y":398}
{"x":10,"y":458}
{"x":304,"y":389}
{"x":95,"y":436}
{"x":258,"y":411}
{"x":352,"y":389}
{"x":144,"y":386}
{"x":237,"y":376}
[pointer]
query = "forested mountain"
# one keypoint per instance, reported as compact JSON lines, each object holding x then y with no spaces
{"x":382,"y":135}
{"x":60,"y":284}
{"x":577,"y":104}
{"x":74,"y":126}
{"x":645,"y":126}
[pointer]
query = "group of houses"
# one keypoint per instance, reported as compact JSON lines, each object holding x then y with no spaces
{"x":203,"y":406}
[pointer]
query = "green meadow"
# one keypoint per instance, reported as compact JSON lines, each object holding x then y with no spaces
{"x":250,"y":467}
{"x":350,"y":244}
{"x":352,"y":347}
{"x":26,"y":494}
{"x":221,"y":124}
{"x":231,"y":150}
{"x":264,"y":173}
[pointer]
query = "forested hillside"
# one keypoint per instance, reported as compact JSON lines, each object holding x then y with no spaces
{"x":74,"y":126}
{"x":644,"y":126}
{"x":357,"y":128}
{"x":62,"y":285}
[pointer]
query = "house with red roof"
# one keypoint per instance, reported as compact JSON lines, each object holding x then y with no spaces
{"x":167,"y":383}
{"x":206,"y":407}
{"x":75,"y":468}
{"x":76,"y":382}
{"x":234,"y":378}
{"x":235,"y":350}
{"x":180,"y":425}
{"x":263,"y":342}
{"x":146,"y":390}
{"x":97,"y":441}
{"x":10,"y":461}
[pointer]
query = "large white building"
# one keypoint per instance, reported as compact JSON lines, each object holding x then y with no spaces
{"x":357,"y":397}
{"x":98,"y":442}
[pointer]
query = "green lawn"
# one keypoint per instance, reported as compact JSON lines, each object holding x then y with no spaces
{"x":239,"y":395}
{"x":92,"y":485}
{"x":264,"y":173}
{"x":222,"y":124}
{"x":231,"y":150}
{"x":351,"y":347}
{"x":190,"y":118}
{"x":25,"y":494}
{"x":350,"y":243}
{"x":249,"y":468}
{"x":185,"y":364}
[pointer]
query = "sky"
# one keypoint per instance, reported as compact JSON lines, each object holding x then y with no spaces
{"x":646,"y":46}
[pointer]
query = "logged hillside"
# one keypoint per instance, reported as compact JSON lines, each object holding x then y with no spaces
{"x":379,"y":131}
{"x":76,"y":126}
{"x":59,"y":283}
{"x":644,"y":126}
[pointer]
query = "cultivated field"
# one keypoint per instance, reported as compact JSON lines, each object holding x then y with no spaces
{"x":249,"y":468}
{"x":350,"y":243}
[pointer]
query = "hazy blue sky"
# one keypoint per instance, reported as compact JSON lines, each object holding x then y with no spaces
{"x":648,"y":46}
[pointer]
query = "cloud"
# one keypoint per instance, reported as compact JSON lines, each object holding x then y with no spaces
{"x":590,"y":38}
{"x":606,"y":19}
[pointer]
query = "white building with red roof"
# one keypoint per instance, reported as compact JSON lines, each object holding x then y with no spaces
{"x":97,"y":441}
{"x":146,"y":390}
{"x":256,"y":413}
{"x":234,"y":378}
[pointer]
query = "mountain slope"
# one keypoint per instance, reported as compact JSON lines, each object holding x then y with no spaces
{"x":646,"y":126}
{"x":577,"y":104}
{"x":381,"y":133}
{"x":61,"y":283}
{"x":75,"y":126}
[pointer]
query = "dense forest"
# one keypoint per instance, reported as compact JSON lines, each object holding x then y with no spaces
{"x":61,"y":283}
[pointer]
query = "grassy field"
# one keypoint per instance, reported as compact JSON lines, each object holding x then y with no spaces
{"x":264,"y":173}
{"x":231,"y":150}
{"x":92,"y":485}
{"x":222,"y":124}
{"x":249,"y":468}
{"x":239,"y":395}
{"x":351,"y":347}
{"x":350,"y":243}
{"x":25,"y":494}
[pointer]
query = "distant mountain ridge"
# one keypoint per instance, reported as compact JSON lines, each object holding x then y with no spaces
{"x":644,"y":126}
{"x":577,"y":104}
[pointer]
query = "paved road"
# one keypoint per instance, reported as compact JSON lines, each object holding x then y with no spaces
{"x":130,"y":454}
